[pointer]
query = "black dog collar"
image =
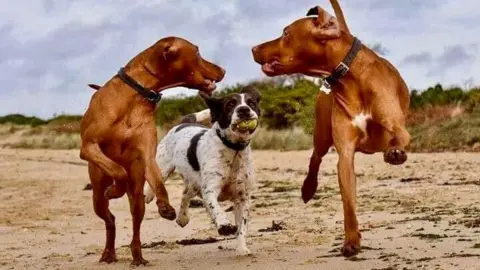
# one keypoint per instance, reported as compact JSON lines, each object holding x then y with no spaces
{"x":238,"y":146}
{"x":149,"y":94}
{"x":344,"y":66}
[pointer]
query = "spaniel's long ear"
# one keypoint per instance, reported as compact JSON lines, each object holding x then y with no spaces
{"x":326,"y":26}
{"x":163,"y":53}
{"x":214,"y":104}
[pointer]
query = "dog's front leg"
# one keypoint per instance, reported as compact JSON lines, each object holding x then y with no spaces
{"x":241,"y":209}
{"x":153,"y":175}
{"x":346,"y":137}
{"x":212,"y":180}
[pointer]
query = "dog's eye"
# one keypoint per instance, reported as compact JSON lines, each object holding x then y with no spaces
{"x":251,"y":104}
{"x":285,"y":33}
{"x":231,"y":104}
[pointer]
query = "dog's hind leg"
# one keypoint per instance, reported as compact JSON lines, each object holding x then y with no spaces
{"x":188,"y":193}
{"x":100,"y":181}
{"x":92,"y":153}
{"x":322,"y":139}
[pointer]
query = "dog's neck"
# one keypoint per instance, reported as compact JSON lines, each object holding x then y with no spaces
{"x":136,"y":70}
{"x":229,"y":139}
{"x":337,"y":50}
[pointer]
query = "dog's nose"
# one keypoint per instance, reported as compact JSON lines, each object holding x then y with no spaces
{"x":243,"y":111}
{"x":254,"y":49}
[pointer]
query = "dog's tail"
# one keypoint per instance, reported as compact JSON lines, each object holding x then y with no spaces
{"x":200,"y":116}
{"x":339,"y":14}
{"x":94,"y":86}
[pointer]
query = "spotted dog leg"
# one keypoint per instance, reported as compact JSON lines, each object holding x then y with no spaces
{"x":188,"y":193}
{"x":210,"y":192}
{"x":241,"y":210}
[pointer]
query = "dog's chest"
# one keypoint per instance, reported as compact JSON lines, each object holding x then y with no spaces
{"x":232,"y":166}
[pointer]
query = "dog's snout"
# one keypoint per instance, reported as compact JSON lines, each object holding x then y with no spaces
{"x":255,"y":49}
{"x":243,"y":112}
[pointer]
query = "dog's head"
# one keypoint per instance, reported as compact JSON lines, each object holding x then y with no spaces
{"x":302,"y":48}
{"x":178,"y":62}
{"x":236,"y":114}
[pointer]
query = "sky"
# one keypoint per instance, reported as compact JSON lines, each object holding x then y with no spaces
{"x":52,"y":49}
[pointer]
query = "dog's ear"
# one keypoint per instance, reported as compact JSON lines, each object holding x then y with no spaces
{"x":252,"y":92}
{"x":161,"y":55}
{"x":326,"y":26}
{"x":339,"y":14}
{"x":214,"y":104}
{"x":94,"y":86}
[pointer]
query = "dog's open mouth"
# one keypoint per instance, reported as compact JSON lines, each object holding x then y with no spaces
{"x":208,"y":86}
{"x":272,"y":68}
{"x":245,"y":125}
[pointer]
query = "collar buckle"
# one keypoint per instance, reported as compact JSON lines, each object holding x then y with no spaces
{"x":342,"y":69}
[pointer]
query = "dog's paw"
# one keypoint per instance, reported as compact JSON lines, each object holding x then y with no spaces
{"x":351,"y":245}
{"x":139,"y":261}
{"x":182,"y":220}
{"x":243,"y":251}
{"x":395,"y":156}
{"x":350,"y":249}
{"x":115,"y":191}
{"x":227,"y":229}
{"x":166,"y":211}
{"x":309,"y":188}
{"x":108,"y":257}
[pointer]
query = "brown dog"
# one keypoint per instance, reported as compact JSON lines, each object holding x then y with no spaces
{"x":365,"y":112}
{"x":119,"y":137}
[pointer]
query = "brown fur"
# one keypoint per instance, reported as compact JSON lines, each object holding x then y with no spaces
{"x":315,"y":46}
{"x":119,"y":137}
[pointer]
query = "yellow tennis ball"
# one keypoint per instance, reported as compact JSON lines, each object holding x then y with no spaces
{"x":248,"y":124}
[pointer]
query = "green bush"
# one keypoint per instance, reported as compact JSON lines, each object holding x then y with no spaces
{"x":19,"y":119}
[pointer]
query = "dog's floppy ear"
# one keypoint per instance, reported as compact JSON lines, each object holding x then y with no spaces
{"x":326,"y":26}
{"x":252,"y":92}
{"x":214,"y":104}
{"x":161,"y":55}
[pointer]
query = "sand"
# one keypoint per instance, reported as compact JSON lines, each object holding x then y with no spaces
{"x":422,"y":215}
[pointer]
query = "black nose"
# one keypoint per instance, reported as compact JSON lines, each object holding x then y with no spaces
{"x":243,"y":112}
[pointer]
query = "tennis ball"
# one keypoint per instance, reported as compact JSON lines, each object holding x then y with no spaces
{"x":248,"y":124}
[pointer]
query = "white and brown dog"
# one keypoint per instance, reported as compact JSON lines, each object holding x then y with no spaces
{"x":215,"y":162}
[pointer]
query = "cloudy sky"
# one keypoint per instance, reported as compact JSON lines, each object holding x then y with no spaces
{"x":50,"y":49}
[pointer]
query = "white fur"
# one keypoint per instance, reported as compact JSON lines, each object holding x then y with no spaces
{"x":202,"y":115}
{"x":224,"y":174}
{"x":325,"y":89}
{"x":360,"y":121}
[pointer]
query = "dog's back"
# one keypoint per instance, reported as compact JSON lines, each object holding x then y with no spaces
{"x":175,"y":148}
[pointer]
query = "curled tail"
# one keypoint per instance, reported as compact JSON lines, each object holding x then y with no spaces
{"x":200,"y":116}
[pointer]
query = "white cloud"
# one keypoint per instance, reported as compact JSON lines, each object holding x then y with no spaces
{"x":52,"y":49}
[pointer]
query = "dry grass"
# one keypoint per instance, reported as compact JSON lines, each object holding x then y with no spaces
{"x":66,"y":136}
{"x":459,"y":132}
{"x":433,"y":114}
{"x":433,"y":129}
{"x":283,"y":140}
